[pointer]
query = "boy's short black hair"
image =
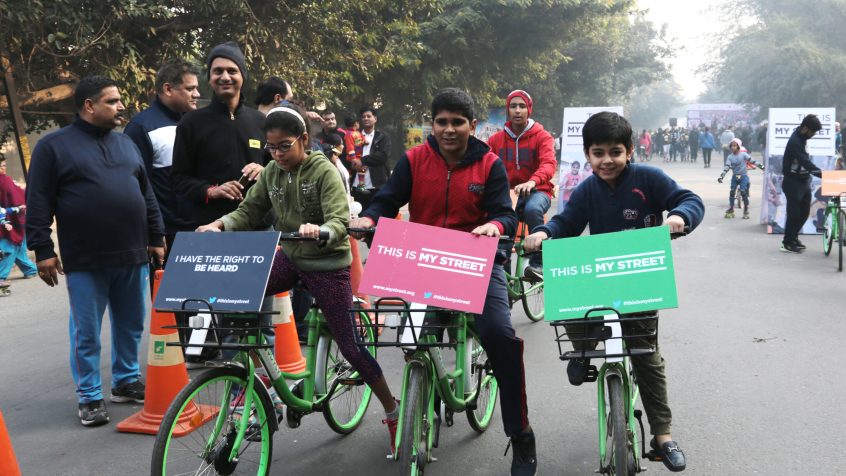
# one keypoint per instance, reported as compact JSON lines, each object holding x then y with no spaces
{"x":349,"y":119}
{"x":812,"y":122}
{"x":454,"y":100}
{"x":90,"y":87}
{"x":607,"y":128}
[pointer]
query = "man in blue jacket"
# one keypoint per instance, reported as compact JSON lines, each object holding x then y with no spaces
{"x":92,"y":180}
{"x":154,"y":129}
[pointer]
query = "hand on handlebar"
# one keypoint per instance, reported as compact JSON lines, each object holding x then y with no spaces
{"x":309,"y":230}
{"x":488,"y":229}
{"x":676,"y":224}
{"x":534,"y":241}
{"x":361,"y":223}
{"x":525,"y":188}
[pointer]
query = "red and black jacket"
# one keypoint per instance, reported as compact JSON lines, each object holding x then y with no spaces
{"x":461,"y":197}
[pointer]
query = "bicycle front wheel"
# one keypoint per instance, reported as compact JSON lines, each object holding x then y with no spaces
{"x":480,"y":416}
{"x":621,"y":458}
{"x":532,"y":297}
{"x":829,"y":230}
{"x":413,"y":444}
{"x":200,"y":427}
{"x":348,"y":403}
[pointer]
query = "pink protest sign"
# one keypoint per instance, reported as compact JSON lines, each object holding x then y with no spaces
{"x":429,"y":265}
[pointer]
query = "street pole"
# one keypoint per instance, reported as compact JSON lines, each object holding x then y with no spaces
{"x":17,"y":118}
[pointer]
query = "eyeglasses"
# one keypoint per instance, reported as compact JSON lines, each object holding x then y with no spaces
{"x":281,"y":147}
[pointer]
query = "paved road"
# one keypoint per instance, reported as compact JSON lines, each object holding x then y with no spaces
{"x":753,"y":363}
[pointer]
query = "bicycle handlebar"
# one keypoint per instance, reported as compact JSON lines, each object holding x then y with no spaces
{"x":295,"y":236}
{"x":680,"y":234}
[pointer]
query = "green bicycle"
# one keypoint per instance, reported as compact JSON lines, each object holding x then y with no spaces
{"x":470,"y":387}
{"x":834,"y":227}
{"x":620,"y":448}
{"x":519,"y":287}
{"x":223,"y":421}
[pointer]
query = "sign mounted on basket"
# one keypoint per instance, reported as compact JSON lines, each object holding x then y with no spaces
{"x":630,"y":271}
{"x":429,"y":265}
{"x":227,"y":270}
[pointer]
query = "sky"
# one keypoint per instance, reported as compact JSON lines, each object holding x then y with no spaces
{"x":690,"y":24}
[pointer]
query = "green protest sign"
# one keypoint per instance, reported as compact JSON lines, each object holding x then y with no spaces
{"x":630,"y":271}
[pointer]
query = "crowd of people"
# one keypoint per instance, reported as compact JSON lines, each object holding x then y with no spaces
{"x":677,"y":143}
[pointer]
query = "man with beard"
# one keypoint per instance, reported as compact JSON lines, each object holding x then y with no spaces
{"x":92,"y":180}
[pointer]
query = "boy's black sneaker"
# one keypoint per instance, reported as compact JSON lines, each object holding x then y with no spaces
{"x":577,"y":370}
{"x":670,"y":454}
{"x":799,"y":244}
{"x":93,"y":413}
{"x":524,"y":461}
{"x":128,"y":392}
{"x":790,"y":248}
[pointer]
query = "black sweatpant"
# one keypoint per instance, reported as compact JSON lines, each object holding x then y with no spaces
{"x":797,"y":189}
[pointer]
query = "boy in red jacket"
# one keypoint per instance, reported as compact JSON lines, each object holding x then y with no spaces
{"x":528,"y":152}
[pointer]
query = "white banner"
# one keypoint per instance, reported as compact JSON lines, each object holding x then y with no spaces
{"x":573,"y":167}
{"x":782,"y":123}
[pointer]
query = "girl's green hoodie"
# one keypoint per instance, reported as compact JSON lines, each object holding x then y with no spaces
{"x":311,"y":193}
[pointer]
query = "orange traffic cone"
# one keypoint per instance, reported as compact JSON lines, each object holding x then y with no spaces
{"x":166,"y":376}
{"x":8,"y":462}
{"x":287,"y":351}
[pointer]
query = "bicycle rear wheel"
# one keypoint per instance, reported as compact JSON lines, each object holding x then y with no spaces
{"x":532,"y":297}
{"x":622,"y":459}
{"x":480,"y":417}
{"x":829,"y":230}
{"x":346,"y":407}
{"x":199,"y":429}
{"x":413,"y":449}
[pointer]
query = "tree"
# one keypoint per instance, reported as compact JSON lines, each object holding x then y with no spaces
{"x":787,"y":56}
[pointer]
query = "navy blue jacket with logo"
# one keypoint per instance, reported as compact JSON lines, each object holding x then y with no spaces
{"x":638,"y":200}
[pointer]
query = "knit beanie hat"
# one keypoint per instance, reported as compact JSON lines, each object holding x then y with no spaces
{"x":231,"y":51}
{"x":738,"y":142}
{"x":523,"y":95}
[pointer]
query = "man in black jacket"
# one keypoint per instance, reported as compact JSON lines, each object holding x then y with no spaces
{"x":92,"y":180}
{"x":219,"y":144}
{"x":797,"y":169}
{"x":371,"y":171}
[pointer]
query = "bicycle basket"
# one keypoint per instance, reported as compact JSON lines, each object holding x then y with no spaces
{"x":225,"y":330}
{"x":593,"y":336}
{"x":406,"y":325}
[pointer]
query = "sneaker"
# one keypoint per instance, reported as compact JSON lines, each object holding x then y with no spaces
{"x":790,"y":248}
{"x":670,"y":454}
{"x":128,"y":392}
{"x":577,"y":370}
{"x":799,"y":244}
{"x":533,"y":273}
{"x":93,"y":413}
{"x":392,"y":432}
{"x":524,"y":461}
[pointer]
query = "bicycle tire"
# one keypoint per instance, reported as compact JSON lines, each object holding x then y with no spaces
{"x":203,"y":397}
{"x":829,"y":230}
{"x":347,"y":406}
{"x":412,"y":451}
{"x":533,"y":300}
{"x":480,"y":417}
{"x":841,"y":237}
{"x":620,"y":453}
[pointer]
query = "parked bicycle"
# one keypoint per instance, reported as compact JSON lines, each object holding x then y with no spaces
{"x":834,"y":227}
{"x":223,"y":421}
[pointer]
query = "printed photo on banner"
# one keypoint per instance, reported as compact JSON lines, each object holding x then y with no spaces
{"x":630,"y":271}
{"x":573,"y":168}
{"x":429,"y":265}
{"x":782,"y":123}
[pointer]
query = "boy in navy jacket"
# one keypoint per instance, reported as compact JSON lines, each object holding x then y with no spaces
{"x":623,"y":196}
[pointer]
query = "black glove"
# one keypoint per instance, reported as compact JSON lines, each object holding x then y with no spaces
{"x":720,"y":179}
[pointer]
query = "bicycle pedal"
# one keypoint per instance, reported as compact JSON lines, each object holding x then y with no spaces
{"x":592,"y":374}
{"x":653,"y":456}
